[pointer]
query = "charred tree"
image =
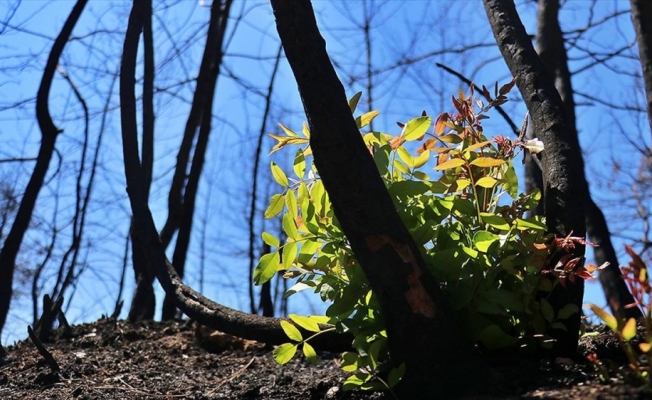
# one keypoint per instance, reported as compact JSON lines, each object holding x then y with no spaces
{"x":562,"y":165}
{"x":550,"y":43}
{"x":49,"y":133}
{"x":642,"y":12}
{"x":421,"y":329}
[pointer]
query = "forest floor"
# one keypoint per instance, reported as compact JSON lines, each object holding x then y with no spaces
{"x":170,"y":360}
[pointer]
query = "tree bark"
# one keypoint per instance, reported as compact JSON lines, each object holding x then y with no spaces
{"x":421,"y":329}
{"x":641,"y":18}
{"x":550,"y":43}
{"x":563,"y":176}
{"x":49,"y":134}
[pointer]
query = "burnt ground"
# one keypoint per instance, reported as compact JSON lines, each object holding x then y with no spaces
{"x":155,"y":360}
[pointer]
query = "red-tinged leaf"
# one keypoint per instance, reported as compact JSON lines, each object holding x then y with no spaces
{"x":487,"y":162}
{"x":645,"y":347}
{"x":441,"y":159}
{"x":440,"y":123}
{"x":427,"y":145}
{"x":486,"y":93}
{"x":507,"y":87}
{"x":457,"y":105}
{"x":453,"y":163}
{"x":629,"y":330}
{"x":396,"y":142}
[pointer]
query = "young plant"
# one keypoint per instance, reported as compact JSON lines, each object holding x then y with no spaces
{"x":637,"y":277}
{"x":492,"y":261}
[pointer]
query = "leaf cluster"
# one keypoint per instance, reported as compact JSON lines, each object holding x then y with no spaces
{"x":457,"y":193}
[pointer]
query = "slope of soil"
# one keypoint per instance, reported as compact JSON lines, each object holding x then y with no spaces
{"x":155,"y":360}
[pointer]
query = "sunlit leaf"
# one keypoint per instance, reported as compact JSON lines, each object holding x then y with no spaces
{"x":270,"y":239}
{"x":275,"y":206}
{"x":287,"y":130}
{"x":310,"y":353}
{"x":290,"y":227}
{"x":645,"y":347}
{"x":421,"y":159}
{"x":478,"y":146}
{"x":487,"y":162}
{"x":284,"y":353}
{"x":629,"y":330}
{"x":440,"y":123}
{"x":306,"y":132}
{"x":484,"y":239}
{"x":366,"y":118}
{"x":416,"y":128}
{"x":279,"y":175}
{"x":305,"y":322}
{"x":289,"y":254}
{"x":451,"y":139}
{"x":530,"y":223}
{"x":495,"y":221}
{"x":299,"y":164}
{"x":353,"y":103}
{"x":267,"y":267}
{"x":607,"y":318}
{"x":486,"y":182}
{"x":452,"y":163}
{"x":291,"y":331}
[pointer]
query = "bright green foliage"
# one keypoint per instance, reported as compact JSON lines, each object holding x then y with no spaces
{"x":466,"y":215}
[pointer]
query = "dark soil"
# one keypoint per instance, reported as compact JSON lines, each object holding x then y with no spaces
{"x":154,"y":360}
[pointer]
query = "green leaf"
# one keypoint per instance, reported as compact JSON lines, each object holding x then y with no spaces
{"x":305,"y":322}
{"x":290,"y":227}
{"x":270,"y":239}
{"x":353,"y":103}
{"x":547,"y":311}
{"x":284,"y":353}
{"x":310,"y":353}
{"x":486,"y":182}
{"x":366,"y":118}
{"x":629,"y":330}
{"x":279,"y":175}
{"x":530,"y":223}
{"x":275,"y":206}
{"x":299,"y":165}
{"x":308,"y":250}
{"x":356,"y":381}
{"x":291,"y":331}
{"x":349,"y":361}
{"x":483,"y":240}
{"x":511,"y":181}
{"x":416,"y":128}
{"x":289,"y":254}
{"x":495,"y":221}
{"x":452,"y":163}
{"x":494,"y":338}
{"x":607,"y":318}
{"x":267,"y":267}
{"x":395,"y":375}
{"x":291,"y":204}
{"x":405,"y":156}
{"x":567,"y":311}
{"x":487,"y":162}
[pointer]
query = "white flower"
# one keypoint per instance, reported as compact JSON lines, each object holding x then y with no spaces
{"x":534,"y":146}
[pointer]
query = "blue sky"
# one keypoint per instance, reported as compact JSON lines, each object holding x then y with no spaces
{"x":408,"y":38}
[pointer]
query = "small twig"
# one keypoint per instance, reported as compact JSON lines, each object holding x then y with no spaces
{"x":230,"y":378}
{"x":140,"y":392}
{"x":42,"y":350}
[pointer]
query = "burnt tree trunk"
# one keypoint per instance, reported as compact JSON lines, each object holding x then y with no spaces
{"x":49,"y":133}
{"x":563,"y":168}
{"x":421,"y":329}
{"x":641,"y":18}
{"x":550,"y":42}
